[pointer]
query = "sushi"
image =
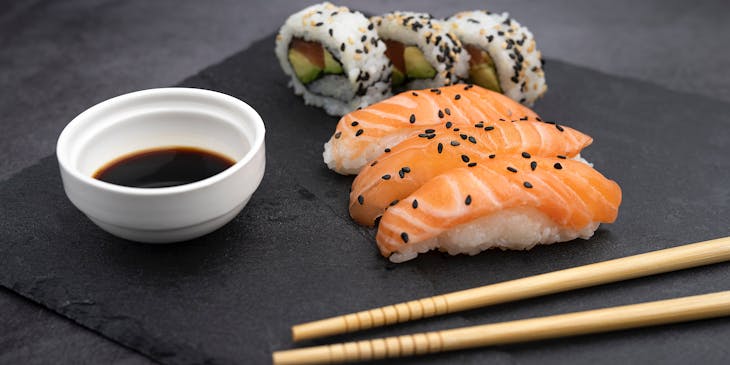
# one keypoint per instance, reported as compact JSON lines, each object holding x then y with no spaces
{"x":434,"y":150}
{"x":503,"y":55}
{"x":423,"y":52}
{"x":503,"y":203}
{"x":364,"y":134}
{"x":334,"y":58}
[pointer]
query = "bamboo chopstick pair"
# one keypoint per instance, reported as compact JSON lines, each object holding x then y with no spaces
{"x":571,"y":324}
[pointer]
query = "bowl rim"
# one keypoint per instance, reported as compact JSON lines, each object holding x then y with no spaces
{"x":202,"y":94}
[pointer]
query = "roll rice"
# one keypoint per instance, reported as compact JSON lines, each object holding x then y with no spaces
{"x":440,"y":48}
{"x":510,"y":46}
{"x":347,"y":38}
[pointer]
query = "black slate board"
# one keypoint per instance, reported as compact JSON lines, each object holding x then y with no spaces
{"x":293,"y":254}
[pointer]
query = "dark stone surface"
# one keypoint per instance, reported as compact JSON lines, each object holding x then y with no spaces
{"x":294,"y":255}
{"x":59,"y":58}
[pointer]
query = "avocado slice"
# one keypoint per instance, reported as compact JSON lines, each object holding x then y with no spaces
{"x":397,"y":78}
{"x":416,"y":65}
{"x":481,"y":69}
{"x":331,"y":66}
{"x":305,"y":70}
{"x":485,"y":76}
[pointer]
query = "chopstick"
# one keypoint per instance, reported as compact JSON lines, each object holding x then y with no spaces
{"x":656,"y":262}
{"x":564,"y":325}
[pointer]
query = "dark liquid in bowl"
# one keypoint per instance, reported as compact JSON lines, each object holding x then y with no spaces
{"x":163,"y":167}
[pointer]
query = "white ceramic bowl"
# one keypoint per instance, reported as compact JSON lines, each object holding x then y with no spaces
{"x":156,"y":118}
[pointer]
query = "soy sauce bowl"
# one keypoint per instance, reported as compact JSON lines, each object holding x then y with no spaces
{"x":159,"y":118}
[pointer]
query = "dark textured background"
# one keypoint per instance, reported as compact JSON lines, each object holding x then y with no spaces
{"x":58,"y":58}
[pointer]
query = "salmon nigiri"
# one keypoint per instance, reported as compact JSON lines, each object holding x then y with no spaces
{"x":508,"y":202}
{"x":432,"y":151}
{"x":364,"y":134}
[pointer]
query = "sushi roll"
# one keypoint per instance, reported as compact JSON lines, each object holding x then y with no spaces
{"x":334,"y":58}
{"x":364,"y":134}
{"x":423,"y":52}
{"x":434,"y":150}
{"x":508,"y":202}
{"x":503,"y":56}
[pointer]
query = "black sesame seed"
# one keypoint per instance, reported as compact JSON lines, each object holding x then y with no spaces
{"x":386,"y":177}
{"x":371,"y":26}
{"x":479,"y":125}
{"x":355,"y":123}
{"x":359,"y":132}
{"x":406,"y":169}
{"x":414,"y":204}
{"x":533,"y":165}
{"x":342,"y":47}
{"x":337,"y":135}
{"x":514,"y":79}
{"x":455,"y":143}
{"x":412,"y":118}
{"x":457,"y":97}
{"x":472,"y":139}
{"x":500,"y":33}
{"x":463,"y":136}
{"x":492,"y":156}
{"x":472,"y":164}
{"x":430,"y":136}
{"x":319,"y":24}
{"x":558,"y":166}
{"x":527,"y":184}
{"x":467,"y":201}
{"x":562,"y":157}
{"x":456,"y":129}
{"x":490,"y":38}
{"x":440,"y":147}
{"x":441,"y":114}
{"x":526,"y":155}
{"x":402,"y":173}
{"x":429,"y":130}
{"x":559,"y":127}
{"x":465,"y":158}
{"x":524,"y":118}
{"x":404,"y":237}
{"x":511,"y":169}
{"x":423,"y":135}
{"x":374,"y":163}
{"x":489,"y":128}
{"x":363,"y":38}
{"x":447,"y":111}
{"x":360,"y":199}
{"x":394,"y":202}
{"x":449,"y":124}
{"x":414,"y":93}
{"x":387,"y":150}
{"x":330,"y":31}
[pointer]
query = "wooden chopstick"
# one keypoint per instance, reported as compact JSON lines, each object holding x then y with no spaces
{"x":661,"y":261}
{"x":564,"y":325}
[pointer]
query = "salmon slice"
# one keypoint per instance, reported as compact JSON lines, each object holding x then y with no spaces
{"x":432,"y":151}
{"x":500,"y":203}
{"x":364,"y":134}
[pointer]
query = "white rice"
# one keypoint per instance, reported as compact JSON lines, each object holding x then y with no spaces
{"x":510,"y":229}
{"x":511,"y":46}
{"x":351,"y":38}
{"x":441,"y":48}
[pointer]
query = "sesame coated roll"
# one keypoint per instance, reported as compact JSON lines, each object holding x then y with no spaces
{"x":334,"y":58}
{"x":423,"y":52}
{"x":503,"y":56}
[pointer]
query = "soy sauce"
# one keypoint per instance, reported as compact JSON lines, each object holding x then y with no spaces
{"x":163,"y":167}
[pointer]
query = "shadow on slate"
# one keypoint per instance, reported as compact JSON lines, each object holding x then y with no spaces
{"x":293,"y":254}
